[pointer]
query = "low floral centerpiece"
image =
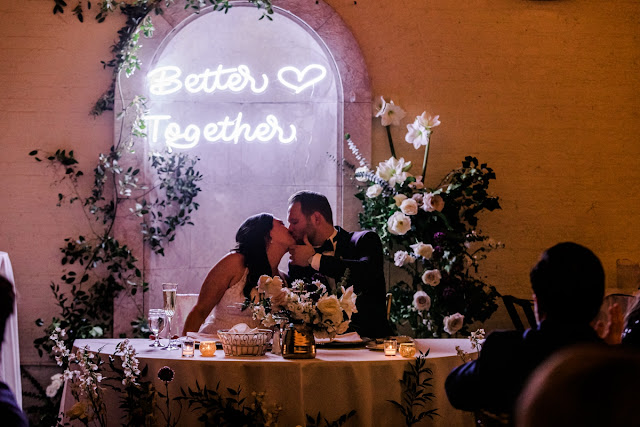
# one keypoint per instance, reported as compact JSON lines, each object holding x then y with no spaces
{"x":429,"y":234}
{"x":311,"y":305}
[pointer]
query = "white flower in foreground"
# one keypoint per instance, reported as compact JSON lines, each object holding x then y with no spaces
{"x":453,"y":323}
{"x":389,"y":113}
{"x":330,"y":308}
{"x":348,"y":301}
{"x":269,"y":285}
{"x":423,"y":250}
{"x":399,"y":224}
{"x":56,"y":382}
{"x":421,"y":301}
{"x":374,"y":191}
{"x":409,"y":207}
{"x":419,"y":131}
{"x":432,"y":202}
{"x":393,"y":170}
{"x":401,"y":258}
{"x":431,"y":277}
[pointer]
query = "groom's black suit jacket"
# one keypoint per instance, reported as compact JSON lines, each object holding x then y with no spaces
{"x":361,"y":253}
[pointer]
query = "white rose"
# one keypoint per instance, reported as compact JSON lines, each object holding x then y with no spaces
{"x":360,"y":172}
{"x":453,"y":323}
{"x":348,"y":301}
{"x":423,"y":250}
{"x":399,"y":224}
{"x":431,"y":277}
{"x":374,"y":191}
{"x":399,"y":198}
{"x":330,"y":308}
{"x":409,"y":207}
{"x":421,"y":301}
{"x":432,"y":202}
{"x":401,"y":258}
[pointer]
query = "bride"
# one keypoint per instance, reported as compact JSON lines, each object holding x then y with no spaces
{"x":262,"y":241}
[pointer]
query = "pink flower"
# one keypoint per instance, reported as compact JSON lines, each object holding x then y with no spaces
{"x":432,"y":202}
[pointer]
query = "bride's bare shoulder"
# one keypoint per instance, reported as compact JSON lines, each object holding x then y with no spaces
{"x":232,"y":262}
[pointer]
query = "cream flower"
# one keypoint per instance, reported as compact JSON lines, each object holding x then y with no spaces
{"x":374,"y":191}
{"x":348,"y":301}
{"x":330,"y":308}
{"x":269,"y":285}
{"x":432,"y":202}
{"x":423,"y":250}
{"x":389,"y":113}
{"x":453,"y":323}
{"x":401,"y":258}
{"x":421,"y":301}
{"x":399,"y":198}
{"x":431,"y":277}
{"x":409,"y":207}
{"x":419,"y":131}
{"x":399,"y":224}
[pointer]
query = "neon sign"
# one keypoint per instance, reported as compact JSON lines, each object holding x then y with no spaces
{"x":168,"y":80}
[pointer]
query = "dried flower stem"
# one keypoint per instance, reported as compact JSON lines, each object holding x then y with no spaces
{"x":424,"y":162}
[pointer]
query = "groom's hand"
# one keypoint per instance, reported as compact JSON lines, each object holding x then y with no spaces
{"x":301,"y":254}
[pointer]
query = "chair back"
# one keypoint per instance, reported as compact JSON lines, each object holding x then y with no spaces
{"x":184,"y":304}
{"x":515,"y":306}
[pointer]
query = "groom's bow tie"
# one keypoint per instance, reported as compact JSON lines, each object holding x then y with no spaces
{"x":327,"y":246}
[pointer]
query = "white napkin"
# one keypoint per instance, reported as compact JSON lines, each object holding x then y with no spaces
{"x":344,"y":338}
{"x":198,"y":336}
{"x":242,"y":328}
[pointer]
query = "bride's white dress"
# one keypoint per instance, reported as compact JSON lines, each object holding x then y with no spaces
{"x":228,"y":312}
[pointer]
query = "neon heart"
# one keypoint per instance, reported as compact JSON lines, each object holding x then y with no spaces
{"x":299,"y":86}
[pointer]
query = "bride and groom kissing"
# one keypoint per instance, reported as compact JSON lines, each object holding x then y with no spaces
{"x":315,"y":246}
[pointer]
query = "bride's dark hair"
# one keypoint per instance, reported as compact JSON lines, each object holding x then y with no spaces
{"x":252,"y":239}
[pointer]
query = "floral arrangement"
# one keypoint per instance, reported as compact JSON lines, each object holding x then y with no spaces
{"x":430,"y":235}
{"x":327,"y":314}
{"x":477,"y":340}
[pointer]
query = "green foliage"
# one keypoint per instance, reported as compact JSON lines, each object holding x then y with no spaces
{"x":416,"y":382}
{"x":44,"y":412}
{"x":320,"y":420}
{"x":215,"y":409}
{"x":136,"y":400}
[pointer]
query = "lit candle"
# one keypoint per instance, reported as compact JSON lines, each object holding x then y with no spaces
{"x":188,"y":347}
{"x":208,"y":348}
{"x":390,"y":347}
{"x":407,"y":349}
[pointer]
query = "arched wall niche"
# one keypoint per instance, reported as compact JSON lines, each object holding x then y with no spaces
{"x":247,"y":177}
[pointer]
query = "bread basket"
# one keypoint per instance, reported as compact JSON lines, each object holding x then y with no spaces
{"x":245,"y":344}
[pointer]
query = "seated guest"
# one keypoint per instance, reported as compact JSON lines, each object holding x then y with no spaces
{"x":631,"y":331}
{"x":582,"y":386}
{"x":262,"y":241}
{"x":10,"y":412}
{"x":568,"y":287}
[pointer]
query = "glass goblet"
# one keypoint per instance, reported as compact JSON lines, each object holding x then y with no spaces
{"x":169,"y":295}
{"x":156,"y":322}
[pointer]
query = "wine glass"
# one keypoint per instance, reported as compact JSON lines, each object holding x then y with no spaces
{"x":156,"y":322}
{"x":169,"y":291}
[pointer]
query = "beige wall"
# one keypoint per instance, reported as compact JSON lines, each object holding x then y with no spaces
{"x":545,"y":92}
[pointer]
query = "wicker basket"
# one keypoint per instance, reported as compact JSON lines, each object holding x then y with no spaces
{"x":248,"y":344}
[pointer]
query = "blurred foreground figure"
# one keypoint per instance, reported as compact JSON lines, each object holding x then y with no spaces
{"x":583,"y":386}
{"x":568,"y":288}
{"x":10,"y":413}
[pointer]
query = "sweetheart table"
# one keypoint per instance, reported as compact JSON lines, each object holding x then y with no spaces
{"x":334,"y":383}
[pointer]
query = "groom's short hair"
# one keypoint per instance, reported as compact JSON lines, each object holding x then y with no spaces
{"x":311,"y":202}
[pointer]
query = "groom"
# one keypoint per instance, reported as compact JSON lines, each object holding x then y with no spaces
{"x":330,"y":251}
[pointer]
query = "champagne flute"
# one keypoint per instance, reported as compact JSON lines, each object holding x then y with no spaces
{"x":156,"y":322}
{"x":169,"y":291}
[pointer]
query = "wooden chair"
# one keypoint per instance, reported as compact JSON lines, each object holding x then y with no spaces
{"x":525,"y":306}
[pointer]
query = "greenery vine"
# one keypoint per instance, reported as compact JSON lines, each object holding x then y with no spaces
{"x":416,"y":382}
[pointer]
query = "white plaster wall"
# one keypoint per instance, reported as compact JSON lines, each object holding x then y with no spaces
{"x":545,"y":92}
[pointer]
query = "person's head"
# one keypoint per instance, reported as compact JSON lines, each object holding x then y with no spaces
{"x":568,"y":283}
{"x":254,"y":238}
{"x":7,"y":298}
{"x":310,"y":214}
{"x":582,"y":386}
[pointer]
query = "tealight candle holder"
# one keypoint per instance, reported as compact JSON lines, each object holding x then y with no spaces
{"x":207,"y":348}
{"x":407,"y":349}
{"x":390,"y":347}
{"x":188,"y":347}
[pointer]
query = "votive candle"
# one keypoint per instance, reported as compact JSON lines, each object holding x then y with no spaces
{"x":188,"y":347}
{"x":407,"y":349}
{"x":208,"y":348}
{"x":390,"y":347}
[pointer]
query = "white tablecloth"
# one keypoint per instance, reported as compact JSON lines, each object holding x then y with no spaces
{"x":334,"y":383}
{"x":10,"y":356}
